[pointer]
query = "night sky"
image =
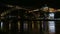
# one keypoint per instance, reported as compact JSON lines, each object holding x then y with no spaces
{"x":33,"y":3}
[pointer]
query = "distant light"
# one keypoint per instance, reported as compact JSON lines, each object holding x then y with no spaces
{"x":18,"y":7}
{"x":10,"y":6}
{"x":45,"y":9}
{"x":51,"y":15}
{"x":52,"y":10}
{"x":58,"y":10}
{"x":36,"y":10}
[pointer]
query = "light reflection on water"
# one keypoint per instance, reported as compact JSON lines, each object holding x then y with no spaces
{"x":1,"y":25}
{"x":51,"y":26}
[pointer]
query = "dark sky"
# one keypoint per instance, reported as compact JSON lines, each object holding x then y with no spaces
{"x":33,"y":3}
